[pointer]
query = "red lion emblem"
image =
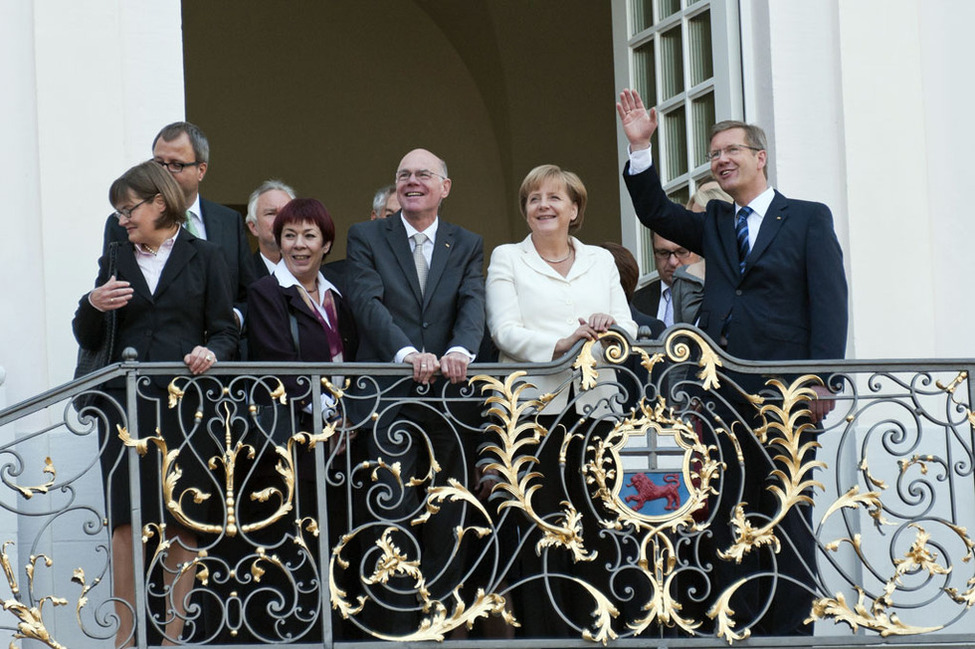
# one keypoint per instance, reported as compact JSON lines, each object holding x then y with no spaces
{"x":647,"y":490}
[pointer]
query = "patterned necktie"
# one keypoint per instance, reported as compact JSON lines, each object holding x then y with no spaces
{"x":741,"y":233}
{"x":191,"y":224}
{"x":666,"y":296}
{"x":421,"y":262}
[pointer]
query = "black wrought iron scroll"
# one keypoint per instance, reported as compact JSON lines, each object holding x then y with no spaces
{"x":679,"y":493}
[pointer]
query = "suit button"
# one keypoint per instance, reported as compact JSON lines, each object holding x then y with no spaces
{"x":738,"y":292}
{"x":426,"y":324}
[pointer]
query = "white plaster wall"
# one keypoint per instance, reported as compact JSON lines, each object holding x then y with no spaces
{"x":86,"y":84}
{"x":109,"y":75}
{"x":806,"y":120}
{"x":891,"y":224}
{"x":865,"y":102}
{"x":86,"y":87}
{"x":948,"y":96}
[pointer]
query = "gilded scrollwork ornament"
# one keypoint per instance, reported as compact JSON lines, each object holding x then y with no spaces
{"x":30,"y":614}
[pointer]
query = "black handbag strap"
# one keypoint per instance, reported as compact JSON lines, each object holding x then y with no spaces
{"x":294,"y":333}
{"x":113,"y":314}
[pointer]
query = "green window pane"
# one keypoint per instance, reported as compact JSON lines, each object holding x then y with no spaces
{"x":675,"y":129}
{"x":643,"y":73}
{"x":672,"y":63}
{"x":646,"y":252}
{"x":642,"y":11}
{"x":668,"y":8}
{"x":702,"y":114}
{"x":699,"y":33}
{"x":680,"y":195}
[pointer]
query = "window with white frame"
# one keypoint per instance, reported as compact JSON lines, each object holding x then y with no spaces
{"x":683,"y":57}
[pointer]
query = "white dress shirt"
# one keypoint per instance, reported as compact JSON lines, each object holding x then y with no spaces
{"x":195,"y":212}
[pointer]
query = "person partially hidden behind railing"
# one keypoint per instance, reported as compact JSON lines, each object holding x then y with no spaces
{"x":775,"y":290}
{"x":173,"y":301}
{"x":418,"y":298}
{"x":297,"y":315}
{"x":544,"y":294}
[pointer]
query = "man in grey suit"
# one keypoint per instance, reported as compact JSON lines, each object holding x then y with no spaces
{"x":436,"y":327}
{"x":262,"y":208}
{"x":417,"y":298}
{"x":183,"y":149}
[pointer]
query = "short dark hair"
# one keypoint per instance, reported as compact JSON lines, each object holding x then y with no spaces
{"x":305,"y":209}
{"x":626,"y":265}
{"x":144,"y":181}
{"x":199,"y":141}
{"x":572,"y":183}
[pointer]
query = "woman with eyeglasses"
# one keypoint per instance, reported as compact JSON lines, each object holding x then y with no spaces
{"x":545,"y":294}
{"x":173,"y":301}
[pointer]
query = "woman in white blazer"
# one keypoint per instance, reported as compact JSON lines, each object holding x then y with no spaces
{"x":543,"y":295}
{"x":551,"y":290}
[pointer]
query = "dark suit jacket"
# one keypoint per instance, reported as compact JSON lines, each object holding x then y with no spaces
{"x":647,"y":299}
{"x":269,"y":328}
{"x":641,"y":319}
{"x":791,"y":301}
{"x":225,"y":228}
{"x":384,"y":291}
{"x":191,"y":306}
{"x":260,"y":270}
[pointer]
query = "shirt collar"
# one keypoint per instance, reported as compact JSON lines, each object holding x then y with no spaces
{"x":760,"y":203}
{"x":287,"y":280}
{"x":431,"y":230}
{"x":195,"y":207}
{"x":166,"y":245}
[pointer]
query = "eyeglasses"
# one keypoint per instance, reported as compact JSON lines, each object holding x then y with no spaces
{"x":680,"y":253}
{"x":176,"y":167}
{"x":127,"y":211}
{"x":423,"y":175}
{"x":731,"y":151}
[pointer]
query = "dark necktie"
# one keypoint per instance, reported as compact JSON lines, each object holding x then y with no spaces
{"x":741,"y":233}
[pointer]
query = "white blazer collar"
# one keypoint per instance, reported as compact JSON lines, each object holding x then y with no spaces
{"x":583,"y":262}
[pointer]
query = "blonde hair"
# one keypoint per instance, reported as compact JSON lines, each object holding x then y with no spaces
{"x":572,"y":183}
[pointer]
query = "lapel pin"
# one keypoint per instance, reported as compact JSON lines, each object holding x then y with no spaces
{"x":446,"y":245}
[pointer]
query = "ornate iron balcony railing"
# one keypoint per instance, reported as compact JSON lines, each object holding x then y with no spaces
{"x":678,"y":496}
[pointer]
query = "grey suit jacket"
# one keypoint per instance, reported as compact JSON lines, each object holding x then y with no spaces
{"x":384,"y":291}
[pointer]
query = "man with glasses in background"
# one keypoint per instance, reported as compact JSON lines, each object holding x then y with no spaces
{"x":655,"y":298}
{"x":184,"y":151}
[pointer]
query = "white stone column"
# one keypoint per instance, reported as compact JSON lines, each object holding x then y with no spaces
{"x":86,"y":85}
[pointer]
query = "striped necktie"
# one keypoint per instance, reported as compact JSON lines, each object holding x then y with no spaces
{"x":741,"y":233}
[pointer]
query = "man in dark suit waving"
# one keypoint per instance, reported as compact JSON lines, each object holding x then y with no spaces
{"x":183,"y":149}
{"x":418,"y":298}
{"x":775,"y":290}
